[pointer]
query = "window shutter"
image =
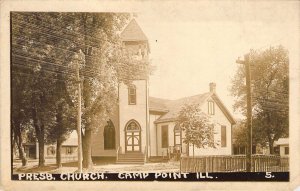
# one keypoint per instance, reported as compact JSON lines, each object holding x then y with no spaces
{"x":286,"y":150}
{"x":164,"y":136}
{"x":223,"y":136}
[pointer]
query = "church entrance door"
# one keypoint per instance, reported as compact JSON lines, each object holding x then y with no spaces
{"x":133,"y":137}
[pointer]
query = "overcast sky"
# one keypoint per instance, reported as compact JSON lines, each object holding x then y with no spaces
{"x":198,"y":43}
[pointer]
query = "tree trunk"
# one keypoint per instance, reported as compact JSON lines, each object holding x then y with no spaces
{"x":271,"y":146}
{"x":19,"y":141}
{"x":59,"y":126}
{"x":87,"y":149}
{"x":41,"y":150}
{"x":40,"y":133}
{"x":58,"y":153}
{"x":21,"y":151}
{"x":193,"y":150}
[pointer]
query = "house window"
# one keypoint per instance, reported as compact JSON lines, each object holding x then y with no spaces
{"x":286,"y":150}
{"x":131,"y":95}
{"x":235,"y":150}
{"x":223,"y":136}
{"x":109,"y":136}
{"x":69,"y":150}
{"x":164,"y":136}
{"x":51,"y":150}
{"x":177,"y":135}
{"x":211,"y":107}
{"x":242,"y":150}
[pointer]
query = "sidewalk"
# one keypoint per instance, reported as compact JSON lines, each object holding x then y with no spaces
{"x":71,"y":167}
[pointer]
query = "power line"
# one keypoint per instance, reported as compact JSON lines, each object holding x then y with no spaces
{"x":60,"y":31}
{"x":60,"y":54}
{"x":31,"y":75}
{"x":42,"y":21}
{"x":39,"y":43}
{"x":85,"y":73}
{"x":45,"y":70}
{"x":49,"y":33}
{"x":86,"y":69}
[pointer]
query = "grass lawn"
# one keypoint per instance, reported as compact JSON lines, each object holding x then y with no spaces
{"x":99,"y":166}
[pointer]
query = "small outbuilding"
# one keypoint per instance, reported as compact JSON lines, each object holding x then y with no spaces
{"x":282,"y":146}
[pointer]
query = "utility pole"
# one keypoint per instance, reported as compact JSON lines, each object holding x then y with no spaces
{"x":77,"y":59}
{"x":249,"y":110}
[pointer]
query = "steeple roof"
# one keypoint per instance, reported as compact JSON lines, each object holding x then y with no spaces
{"x":133,"y":32}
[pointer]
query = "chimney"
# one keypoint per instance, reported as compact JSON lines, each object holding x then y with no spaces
{"x":212,"y":87}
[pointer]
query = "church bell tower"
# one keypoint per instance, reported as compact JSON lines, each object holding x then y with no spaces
{"x":135,"y":41}
{"x":133,"y":98}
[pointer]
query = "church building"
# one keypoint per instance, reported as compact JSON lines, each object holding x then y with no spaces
{"x":145,"y":127}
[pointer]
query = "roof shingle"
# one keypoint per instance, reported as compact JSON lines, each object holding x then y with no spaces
{"x":173,"y":107}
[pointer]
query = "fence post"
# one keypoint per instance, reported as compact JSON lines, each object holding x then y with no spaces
{"x":180,"y":165}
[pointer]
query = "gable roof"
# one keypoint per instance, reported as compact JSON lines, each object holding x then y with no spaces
{"x":281,"y":141}
{"x":173,"y":107}
{"x":72,"y":140}
{"x":223,"y":109}
{"x":133,"y":32}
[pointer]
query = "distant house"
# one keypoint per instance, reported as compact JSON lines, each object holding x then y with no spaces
{"x":145,"y":127}
{"x":68,"y":150}
{"x":282,"y":146}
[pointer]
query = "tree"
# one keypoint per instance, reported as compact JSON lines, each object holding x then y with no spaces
{"x":65,"y":119}
{"x":198,"y":130}
{"x":270,"y":82}
{"x":239,"y":134}
{"x":35,"y":54}
{"x":19,"y":114}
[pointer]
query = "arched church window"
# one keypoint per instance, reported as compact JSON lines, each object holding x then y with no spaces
{"x":133,"y":126}
{"x":132,"y":95}
{"x":109,"y":136}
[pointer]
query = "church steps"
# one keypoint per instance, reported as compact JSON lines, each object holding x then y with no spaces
{"x":131,"y":158}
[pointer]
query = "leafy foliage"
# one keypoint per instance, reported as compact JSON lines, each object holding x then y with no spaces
{"x":198,"y":130}
{"x":239,"y":134}
{"x":270,"y":83}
